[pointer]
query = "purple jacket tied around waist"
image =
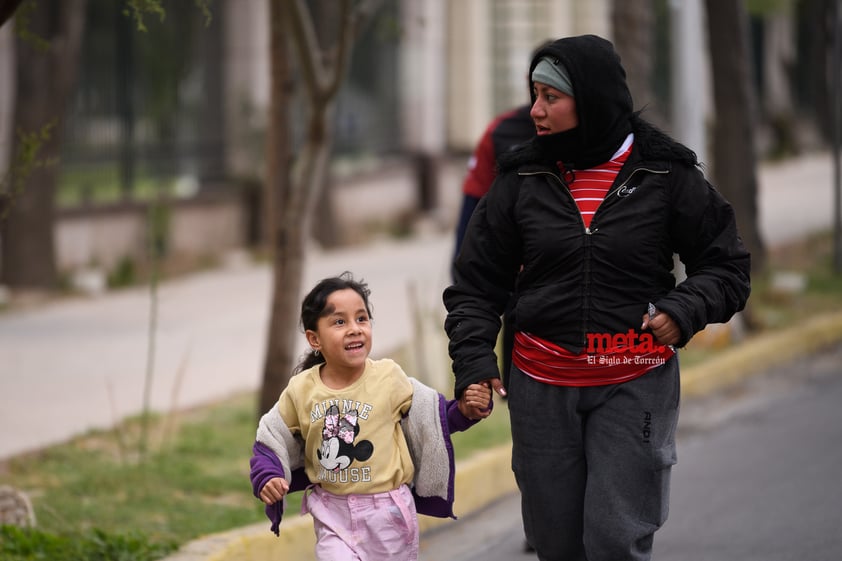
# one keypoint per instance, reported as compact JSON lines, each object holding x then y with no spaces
{"x":427,"y":428}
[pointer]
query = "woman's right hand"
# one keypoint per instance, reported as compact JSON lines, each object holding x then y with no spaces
{"x":274,"y":490}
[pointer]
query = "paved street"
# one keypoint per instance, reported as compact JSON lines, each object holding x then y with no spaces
{"x":757,"y":478}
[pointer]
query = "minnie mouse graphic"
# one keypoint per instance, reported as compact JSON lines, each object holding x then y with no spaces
{"x":338,"y":449}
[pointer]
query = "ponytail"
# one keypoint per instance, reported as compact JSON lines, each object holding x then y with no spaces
{"x":309,"y":360}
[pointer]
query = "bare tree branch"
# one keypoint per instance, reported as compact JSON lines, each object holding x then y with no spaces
{"x":323,"y":83}
{"x":343,"y":50}
{"x":300,"y":25}
{"x":322,"y":77}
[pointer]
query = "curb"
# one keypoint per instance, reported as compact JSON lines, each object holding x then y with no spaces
{"x":756,"y":354}
{"x":487,"y":476}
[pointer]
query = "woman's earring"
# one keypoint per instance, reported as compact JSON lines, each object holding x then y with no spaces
{"x":316,"y":352}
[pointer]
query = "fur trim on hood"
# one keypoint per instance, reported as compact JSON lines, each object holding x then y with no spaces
{"x":650,"y":141}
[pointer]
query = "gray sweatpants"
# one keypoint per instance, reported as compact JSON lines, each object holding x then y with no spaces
{"x":593,"y":464}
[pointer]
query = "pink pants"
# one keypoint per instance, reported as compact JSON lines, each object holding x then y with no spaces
{"x":364,"y":527}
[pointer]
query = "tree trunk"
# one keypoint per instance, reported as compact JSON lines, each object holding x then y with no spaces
{"x":28,"y":248}
{"x":817,"y":70}
{"x":325,"y":226}
{"x":295,"y":213}
{"x":777,"y":99}
{"x":326,"y":229}
{"x":633,"y":32}
{"x":295,"y":194}
{"x":734,"y":157}
{"x":7,"y":9}
{"x":283,"y":237}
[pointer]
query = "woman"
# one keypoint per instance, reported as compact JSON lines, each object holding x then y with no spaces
{"x":581,"y":225}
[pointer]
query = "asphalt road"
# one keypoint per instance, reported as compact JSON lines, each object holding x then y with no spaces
{"x":758,"y":478}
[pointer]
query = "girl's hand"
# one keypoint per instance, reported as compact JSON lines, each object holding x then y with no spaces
{"x":476,"y":401}
{"x":274,"y":490}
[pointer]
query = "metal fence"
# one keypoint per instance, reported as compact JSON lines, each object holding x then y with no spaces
{"x":148,"y":112}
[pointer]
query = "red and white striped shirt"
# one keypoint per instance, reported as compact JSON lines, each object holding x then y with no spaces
{"x":589,"y":186}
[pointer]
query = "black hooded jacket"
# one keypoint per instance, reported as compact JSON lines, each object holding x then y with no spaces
{"x":527,"y":235}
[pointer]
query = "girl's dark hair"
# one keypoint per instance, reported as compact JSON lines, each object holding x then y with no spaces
{"x":313,"y":308}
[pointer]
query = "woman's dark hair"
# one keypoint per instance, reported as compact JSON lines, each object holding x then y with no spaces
{"x":314,"y":304}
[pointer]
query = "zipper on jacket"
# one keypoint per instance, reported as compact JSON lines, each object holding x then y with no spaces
{"x":566,"y":190}
{"x":588,"y":231}
{"x":586,"y":246}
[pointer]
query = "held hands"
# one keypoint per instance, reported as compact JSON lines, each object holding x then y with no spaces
{"x":274,"y":490}
{"x":663,"y":327}
{"x":476,"y":401}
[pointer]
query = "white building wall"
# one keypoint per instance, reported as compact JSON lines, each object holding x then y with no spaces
{"x":691,"y":81}
{"x":468,"y":71}
{"x":423,"y":75}
{"x":489,"y":46}
{"x":246,"y":82}
{"x":591,"y":17}
{"x":516,"y":27}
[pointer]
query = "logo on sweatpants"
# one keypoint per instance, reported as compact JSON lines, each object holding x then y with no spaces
{"x":647,"y":426}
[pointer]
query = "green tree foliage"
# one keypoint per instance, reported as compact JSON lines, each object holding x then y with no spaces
{"x":139,"y":9}
{"x":25,"y":160}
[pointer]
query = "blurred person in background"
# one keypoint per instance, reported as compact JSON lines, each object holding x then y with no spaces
{"x":506,"y":131}
{"x":579,"y":231}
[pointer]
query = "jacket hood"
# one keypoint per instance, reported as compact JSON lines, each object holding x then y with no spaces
{"x":604,"y":108}
{"x":603,"y":102}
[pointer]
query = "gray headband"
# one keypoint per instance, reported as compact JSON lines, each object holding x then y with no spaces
{"x":549,"y":71}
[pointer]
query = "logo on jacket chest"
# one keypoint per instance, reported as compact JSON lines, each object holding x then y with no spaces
{"x":626,"y":190}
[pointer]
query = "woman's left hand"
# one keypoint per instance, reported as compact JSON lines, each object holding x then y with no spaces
{"x":663,"y":327}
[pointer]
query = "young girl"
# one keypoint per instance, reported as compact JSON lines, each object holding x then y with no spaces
{"x":371,"y":444}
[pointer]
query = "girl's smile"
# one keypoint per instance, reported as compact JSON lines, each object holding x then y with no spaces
{"x":355,"y":347}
